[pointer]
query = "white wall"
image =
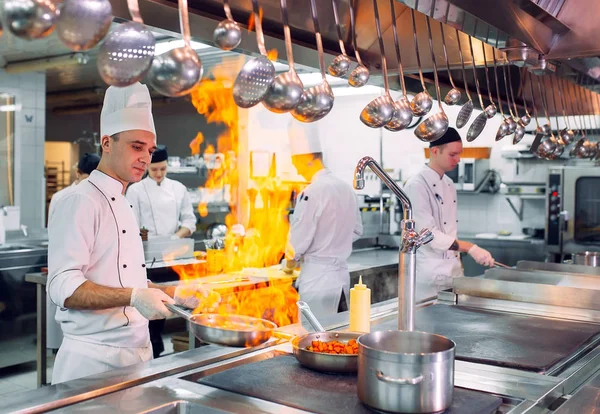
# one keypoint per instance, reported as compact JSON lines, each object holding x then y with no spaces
{"x":30,"y":122}
{"x":345,"y":139}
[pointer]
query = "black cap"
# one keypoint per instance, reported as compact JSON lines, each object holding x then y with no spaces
{"x":88,"y":163}
{"x":160,"y":154}
{"x":451,"y":135}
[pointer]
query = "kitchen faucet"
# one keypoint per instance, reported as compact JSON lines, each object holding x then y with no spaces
{"x":411,"y":241}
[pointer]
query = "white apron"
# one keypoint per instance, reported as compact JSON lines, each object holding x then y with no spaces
{"x":79,"y":359}
{"x":321,"y":283}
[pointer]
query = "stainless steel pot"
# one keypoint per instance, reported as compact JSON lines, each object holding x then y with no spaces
{"x":587,"y":259}
{"x":406,"y":372}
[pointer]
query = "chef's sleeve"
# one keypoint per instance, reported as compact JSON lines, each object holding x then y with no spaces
{"x":132,"y":195}
{"x":186,"y":215}
{"x":71,"y":234}
{"x":423,"y":215}
{"x":303,"y":224}
{"x":358,"y":226}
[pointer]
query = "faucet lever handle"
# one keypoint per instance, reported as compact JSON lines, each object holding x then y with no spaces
{"x":425,"y":236}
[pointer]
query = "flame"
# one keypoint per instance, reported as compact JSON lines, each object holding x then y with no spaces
{"x":272,"y":55}
{"x":268,"y":293}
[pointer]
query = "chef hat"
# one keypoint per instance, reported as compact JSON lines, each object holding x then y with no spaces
{"x":160,"y":154}
{"x":304,"y":138}
{"x":88,"y":163}
{"x":125,"y":109}
{"x":451,"y":135}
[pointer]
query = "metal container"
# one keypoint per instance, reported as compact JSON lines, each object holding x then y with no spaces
{"x":407,"y":372}
{"x":587,"y":259}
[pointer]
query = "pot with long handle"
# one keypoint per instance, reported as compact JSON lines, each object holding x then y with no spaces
{"x":406,"y":371}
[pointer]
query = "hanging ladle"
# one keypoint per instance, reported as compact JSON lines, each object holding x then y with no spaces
{"x":285,"y":92}
{"x":97,"y":15}
{"x":176,"y":72}
{"x":381,"y":109}
{"x":453,"y":96}
{"x":316,"y":102}
{"x":546,"y":128}
{"x":360,"y":75}
{"x":467,"y":109}
{"x":519,"y":129}
{"x":341,"y":63}
{"x":127,"y":52}
{"x":538,"y":129}
{"x":434,"y":127}
{"x":510,"y":120}
{"x":480,"y":121}
{"x":525,"y":119}
{"x":567,"y":134}
{"x":548,"y":146}
{"x":227,"y":35}
{"x":503,"y":128}
{"x":559,"y":133}
{"x":402,"y":113}
{"x":421,"y":104}
{"x":252,"y":83}
{"x":560,"y":144}
{"x":585,"y":147}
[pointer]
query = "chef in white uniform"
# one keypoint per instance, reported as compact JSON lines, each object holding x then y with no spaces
{"x":433,"y":198}
{"x":85,"y":166}
{"x":160,"y":204}
{"x":325,"y":222}
{"x":96,"y":269}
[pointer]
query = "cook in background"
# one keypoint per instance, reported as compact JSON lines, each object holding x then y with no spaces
{"x":85,"y":166}
{"x":434,"y":202}
{"x":325,"y":222}
{"x":160,"y":204}
{"x":96,"y":270}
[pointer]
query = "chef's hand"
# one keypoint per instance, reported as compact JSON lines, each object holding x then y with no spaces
{"x":288,"y":266}
{"x":481,"y":256}
{"x":194,"y":296}
{"x":175,"y":237}
{"x":151,"y":303}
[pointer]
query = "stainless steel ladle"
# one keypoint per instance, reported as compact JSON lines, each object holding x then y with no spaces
{"x":510,"y":121}
{"x":360,"y":75}
{"x":503,"y":128}
{"x":520,"y":129}
{"x":525,"y":119}
{"x":480,"y":120}
{"x":316,"y":102}
{"x":467,"y":109}
{"x":97,"y":15}
{"x":176,"y":72}
{"x":453,"y":96}
{"x":227,"y":35}
{"x":567,"y":134}
{"x":403,"y":115}
{"x":381,"y":109}
{"x":422,"y":102}
{"x":341,"y":63}
{"x":434,"y":127}
{"x":286,"y":91}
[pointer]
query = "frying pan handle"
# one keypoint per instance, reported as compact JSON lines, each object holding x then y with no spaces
{"x":179,"y":311}
{"x":398,"y":381}
{"x":312,"y":319}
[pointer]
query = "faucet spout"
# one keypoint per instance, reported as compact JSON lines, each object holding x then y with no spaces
{"x":359,"y":182}
{"x":411,"y":241}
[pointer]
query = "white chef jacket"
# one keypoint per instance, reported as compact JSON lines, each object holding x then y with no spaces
{"x":57,"y":196}
{"x":93,"y":235}
{"x":434,"y":204}
{"x":325,"y":222}
{"x":162,"y":209}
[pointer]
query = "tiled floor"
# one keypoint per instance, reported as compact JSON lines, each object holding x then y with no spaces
{"x":23,"y":377}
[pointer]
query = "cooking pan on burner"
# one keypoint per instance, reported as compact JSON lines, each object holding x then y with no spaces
{"x":319,"y":361}
{"x":227,"y":330}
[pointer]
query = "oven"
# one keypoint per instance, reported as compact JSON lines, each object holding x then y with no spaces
{"x":572,"y":210}
{"x":469,"y":173}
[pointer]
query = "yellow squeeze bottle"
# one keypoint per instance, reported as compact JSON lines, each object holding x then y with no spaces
{"x":360,"y":308}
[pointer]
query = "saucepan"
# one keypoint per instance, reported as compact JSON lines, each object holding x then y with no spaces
{"x":227,"y":330}
{"x":320,"y":361}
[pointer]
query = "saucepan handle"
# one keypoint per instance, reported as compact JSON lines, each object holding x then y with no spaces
{"x":312,"y":319}
{"x":398,"y":381}
{"x":179,"y":311}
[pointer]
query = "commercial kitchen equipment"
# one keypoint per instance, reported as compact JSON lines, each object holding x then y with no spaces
{"x":572,"y":211}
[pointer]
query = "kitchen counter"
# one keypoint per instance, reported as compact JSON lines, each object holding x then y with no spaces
{"x":170,"y":384}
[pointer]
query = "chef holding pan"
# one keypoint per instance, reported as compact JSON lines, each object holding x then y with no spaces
{"x":433,"y":198}
{"x":96,"y":270}
{"x":325,"y":222}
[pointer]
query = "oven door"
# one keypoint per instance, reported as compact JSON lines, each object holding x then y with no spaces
{"x":581,"y":202}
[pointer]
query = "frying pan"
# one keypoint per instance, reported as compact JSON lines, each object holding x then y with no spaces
{"x":243,"y":331}
{"x":318,"y":361}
